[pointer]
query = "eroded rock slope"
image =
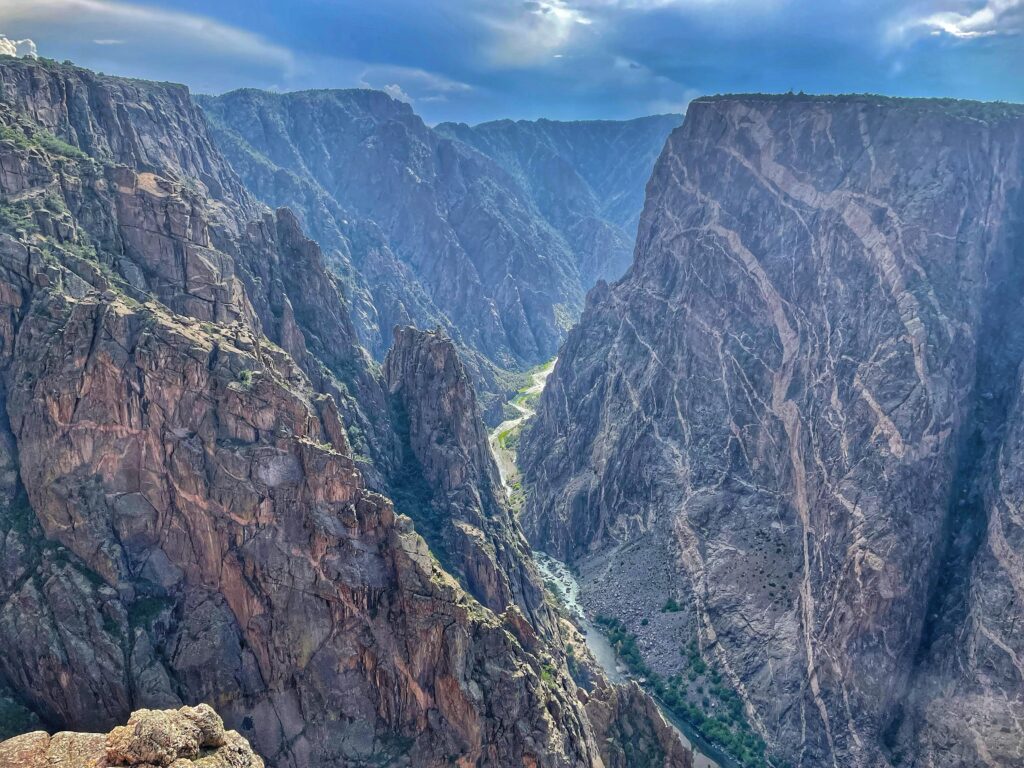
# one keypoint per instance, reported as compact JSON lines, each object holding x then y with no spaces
{"x":480,"y":254}
{"x":587,"y":178}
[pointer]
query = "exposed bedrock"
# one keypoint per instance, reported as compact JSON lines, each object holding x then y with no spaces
{"x":796,"y":415}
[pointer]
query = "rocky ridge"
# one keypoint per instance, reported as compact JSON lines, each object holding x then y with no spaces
{"x":795,"y":420}
{"x":586,"y":177}
{"x":184,"y":513}
{"x":507,"y":283}
{"x":491,"y":233}
{"x":464,"y":513}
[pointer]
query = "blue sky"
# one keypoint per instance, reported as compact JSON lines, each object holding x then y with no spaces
{"x":474,"y":60}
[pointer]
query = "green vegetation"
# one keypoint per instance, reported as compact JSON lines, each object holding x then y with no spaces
{"x":15,"y":216}
{"x":144,"y":611}
{"x":357,"y":442}
{"x":555,"y":589}
{"x":27,"y":137}
{"x":15,"y":719}
{"x":57,"y":146}
{"x":671,"y":606}
{"x":245,"y":378}
{"x":508,"y":439}
{"x":701,"y":698}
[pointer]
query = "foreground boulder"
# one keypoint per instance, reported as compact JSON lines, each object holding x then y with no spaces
{"x":190,"y":736}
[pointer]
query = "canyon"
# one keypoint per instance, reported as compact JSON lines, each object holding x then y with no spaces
{"x":306,"y":424}
{"x":491,"y":233}
{"x":196,"y":450}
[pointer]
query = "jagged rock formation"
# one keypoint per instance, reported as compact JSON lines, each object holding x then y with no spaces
{"x":426,"y":231}
{"x":471,"y":236}
{"x":586,"y":177}
{"x":463,"y":513}
{"x":797,"y":415}
{"x":190,"y":736}
{"x":638,"y":733}
{"x":183,"y":514}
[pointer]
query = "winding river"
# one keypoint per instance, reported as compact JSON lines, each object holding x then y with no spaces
{"x":558,"y":573}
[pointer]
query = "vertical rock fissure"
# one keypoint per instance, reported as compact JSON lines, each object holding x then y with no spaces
{"x":993,"y":394}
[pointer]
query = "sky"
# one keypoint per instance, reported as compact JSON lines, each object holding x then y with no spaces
{"x":476,"y":60}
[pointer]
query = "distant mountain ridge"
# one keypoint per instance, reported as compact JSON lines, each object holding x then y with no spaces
{"x":587,"y":178}
{"x":432,"y":227}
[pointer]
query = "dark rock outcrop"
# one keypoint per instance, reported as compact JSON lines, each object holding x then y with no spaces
{"x":797,"y":418}
{"x":463,"y":512}
{"x":190,"y":736}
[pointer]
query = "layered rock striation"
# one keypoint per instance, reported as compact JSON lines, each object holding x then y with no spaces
{"x":482,"y":257}
{"x":462,"y":508}
{"x":795,"y":419}
{"x":587,"y":178}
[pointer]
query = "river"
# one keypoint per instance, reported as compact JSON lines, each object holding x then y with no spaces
{"x":558,"y":573}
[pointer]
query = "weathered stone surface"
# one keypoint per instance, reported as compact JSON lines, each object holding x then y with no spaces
{"x":637,"y":733}
{"x":789,"y":416}
{"x":587,"y":178}
{"x":471,"y":236}
{"x":190,"y":736}
{"x":464,"y":512}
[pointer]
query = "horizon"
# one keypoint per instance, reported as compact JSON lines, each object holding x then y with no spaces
{"x":476,"y":61}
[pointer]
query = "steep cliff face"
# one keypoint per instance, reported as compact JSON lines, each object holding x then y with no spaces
{"x":789,"y":418}
{"x":587,"y":178}
{"x":183,"y":515}
{"x":462,"y":511}
{"x":471,"y":236}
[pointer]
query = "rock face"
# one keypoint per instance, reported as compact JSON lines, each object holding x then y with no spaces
{"x":470,"y":235}
{"x":586,"y":177}
{"x":463,"y":511}
{"x":190,"y":736}
{"x":797,"y":415}
{"x":491,"y":233}
{"x":184,"y":511}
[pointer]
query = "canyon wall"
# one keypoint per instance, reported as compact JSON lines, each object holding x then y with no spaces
{"x":796,"y":419}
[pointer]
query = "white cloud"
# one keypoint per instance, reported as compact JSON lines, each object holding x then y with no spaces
{"x":994,"y":17}
{"x":410,"y":84}
{"x":395,"y":92}
{"x":530,"y":32}
{"x":20,"y":48}
{"x":147,"y":33}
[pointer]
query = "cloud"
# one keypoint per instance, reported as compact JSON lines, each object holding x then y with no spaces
{"x":148,"y":39}
{"x":395,"y":92}
{"x":410,"y":84}
{"x":994,"y":17}
{"x":18,"y":48}
{"x":530,"y":32}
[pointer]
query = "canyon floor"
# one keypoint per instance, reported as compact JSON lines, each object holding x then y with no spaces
{"x":558,"y":576}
